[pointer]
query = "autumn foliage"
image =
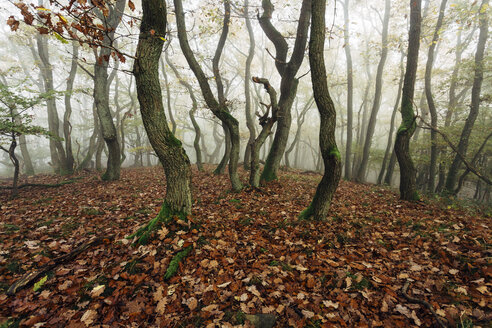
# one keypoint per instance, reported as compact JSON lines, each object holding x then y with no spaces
{"x":251,"y":255}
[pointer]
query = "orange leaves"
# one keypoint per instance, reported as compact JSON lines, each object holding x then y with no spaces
{"x":131,"y":5}
{"x":13,"y":23}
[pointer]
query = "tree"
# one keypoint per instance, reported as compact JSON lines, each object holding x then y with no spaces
{"x":101,"y":88}
{"x":288,"y":83}
{"x":218,"y":107}
{"x":361,"y":173}
{"x":320,"y":205}
{"x":250,"y":123}
{"x":178,"y":200}
{"x":475,"y":98}
{"x":350,"y":91}
{"x":15,"y":122}
{"x":408,"y":187}
{"x":430,"y":98}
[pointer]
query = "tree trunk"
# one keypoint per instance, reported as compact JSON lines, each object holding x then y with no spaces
{"x":475,"y":99}
{"x":219,"y":108}
{"x":67,"y":127}
{"x":288,"y":84}
{"x":320,"y":205}
{"x":389,"y":146}
{"x":408,"y":189}
{"x":250,"y":123}
{"x":300,"y":121}
{"x":430,"y":98}
{"x":56,"y":147}
{"x":220,"y":169}
{"x":92,"y":141}
{"x":168,"y":97}
{"x":350,"y":92}
{"x":377,"y":96}
{"x":101,"y":93}
{"x":169,"y":150}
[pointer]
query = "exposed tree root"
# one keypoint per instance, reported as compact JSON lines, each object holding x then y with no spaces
{"x":174,"y":264}
{"x":165,"y":216}
{"x":31,"y":277}
{"x":421,"y":302}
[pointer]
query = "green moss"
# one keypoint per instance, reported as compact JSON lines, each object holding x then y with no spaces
{"x":174,"y":264}
{"x":335,"y":152}
{"x":165,"y":216}
{"x":173,"y":141}
{"x":307,"y":213}
{"x":268,"y":175}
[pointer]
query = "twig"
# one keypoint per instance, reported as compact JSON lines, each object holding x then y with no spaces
{"x":31,"y":277}
{"x":54,"y":185}
{"x":468,"y":165}
{"x":421,"y":302}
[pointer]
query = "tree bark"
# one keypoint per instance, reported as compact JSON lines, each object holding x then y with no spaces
{"x":300,"y":121}
{"x":475,"y":98}
{"x":218,"y":108}
{"x":67,"y":127}
{"x":178,"y":199}
{"x":288,"y":84}
{"x":250,"y":123}
{"x":56,"y":147}
{"x":320,"y":205}
{"x":377,"y":96}
{"x":408,"y":189}
{"x":101,"y":92}
{"x":430,"y":98}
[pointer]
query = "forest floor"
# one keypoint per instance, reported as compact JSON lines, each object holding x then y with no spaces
{"x":251,"y":255}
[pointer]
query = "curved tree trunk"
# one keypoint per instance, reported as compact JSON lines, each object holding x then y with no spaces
{"x":67,"y":127}
{"x":288,"y":84}
{"x":300,"y":121}
{"x":377,"y":96}
{"x":220,"y":169}
{"x":168,"y":97}
{"x":219,"y":108}
{"x":250,"y":123}
{"x":178,"y":200}
{"x":475,"y":100}
{"x":430,"y":98}
{"x":320,"y":205}
{"x":408,"y":189}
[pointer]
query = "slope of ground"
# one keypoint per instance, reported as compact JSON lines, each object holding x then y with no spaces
{"x":251,"y":255}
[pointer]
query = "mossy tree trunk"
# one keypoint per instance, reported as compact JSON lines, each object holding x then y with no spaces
{"x":408,"y":187}
{"x":475,"y":98}
{"x":288,"y":83}
{"x":67,"y":127}
{"x":178,"y":200}
{"x":320,"y":205}
{"x":217,"y":106}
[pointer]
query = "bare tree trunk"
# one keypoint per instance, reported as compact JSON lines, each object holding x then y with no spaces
{"x":430,"y":98}
{"x":250,"y":123}
{"x":377,"y":96}
{"x":101,"y":93}
{"x":389,"y":146}
{"x":67,"y":127}
{"x":219,"y":108}
{"x":288,"y":84}
{"x":168,"y":98}
{"x":475,"y":101}
{"x":320,"y":205}
{"x":408,"y":189}
{"x":300,"y":121}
